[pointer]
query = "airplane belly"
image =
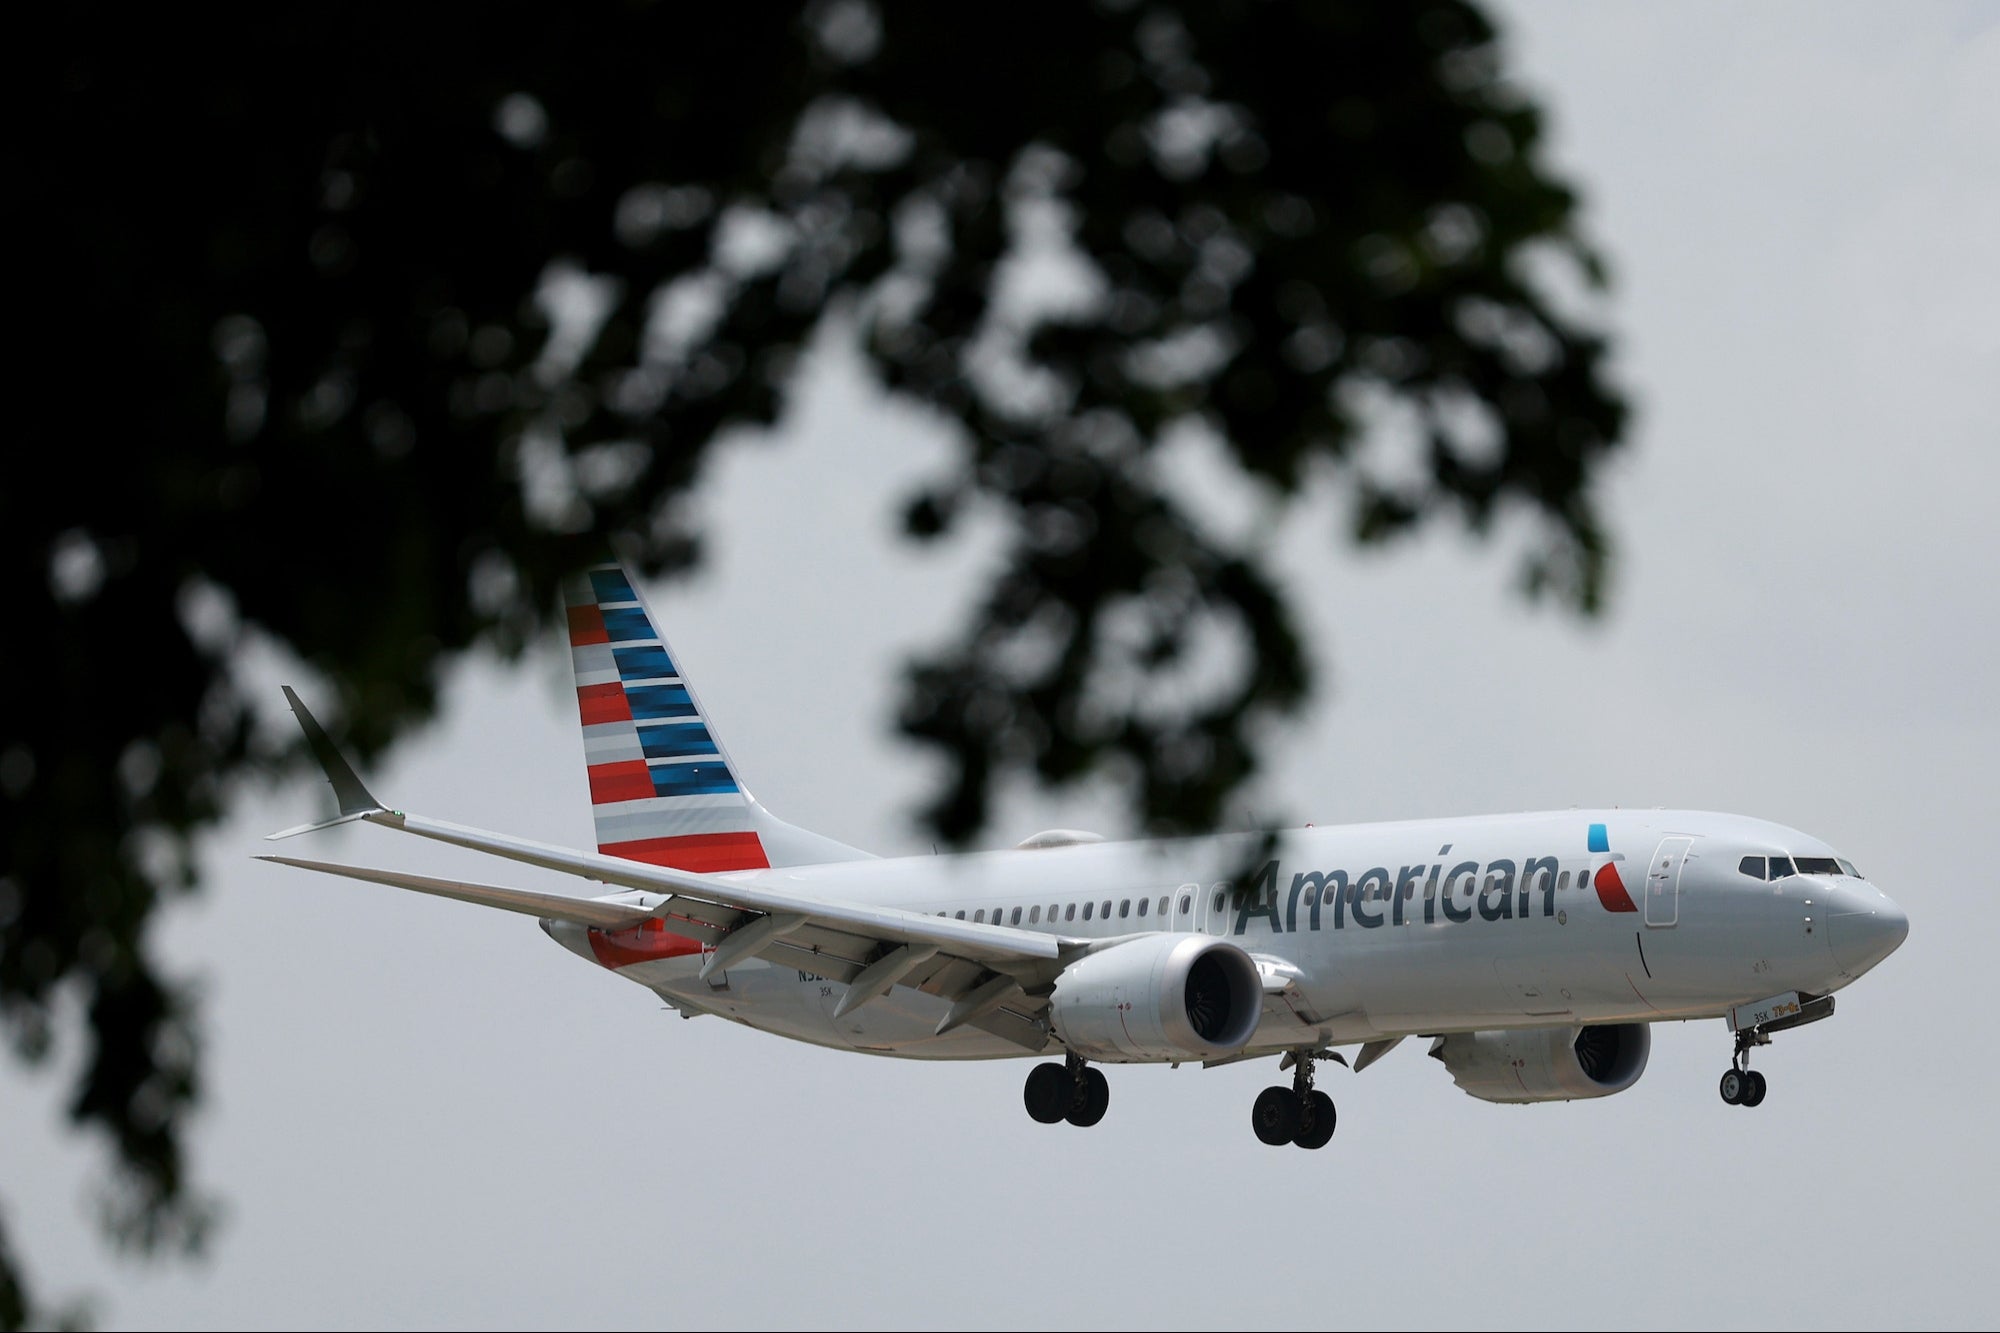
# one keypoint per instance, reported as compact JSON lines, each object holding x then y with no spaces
{"x":790,"y":1002}
{"x":1441,"y":977}
{"x":759,"y":995}
{"x":904,"y":1022}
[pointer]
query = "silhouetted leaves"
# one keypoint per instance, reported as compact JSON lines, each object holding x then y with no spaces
{"x":370,"y":325}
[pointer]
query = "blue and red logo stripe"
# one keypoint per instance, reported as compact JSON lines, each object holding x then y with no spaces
{"x":1610,"y":885}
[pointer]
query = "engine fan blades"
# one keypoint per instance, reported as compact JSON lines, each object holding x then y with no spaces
{"x":1597,"y":1052}
{"x":1207,"y":998}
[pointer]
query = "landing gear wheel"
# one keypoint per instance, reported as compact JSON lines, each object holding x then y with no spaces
{"x":1316,"y":1121}
{"x":1049,"y":1093}
{"x":1275,"y":1116}
{"x":1093,"y":1098}
{"x":1742,"y":1085}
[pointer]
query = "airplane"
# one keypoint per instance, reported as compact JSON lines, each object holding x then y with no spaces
{"x":1534,"y":951}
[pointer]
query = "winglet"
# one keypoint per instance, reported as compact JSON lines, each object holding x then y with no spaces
{"x":347,"y":789}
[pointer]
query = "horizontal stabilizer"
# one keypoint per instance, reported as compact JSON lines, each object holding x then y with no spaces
{"x":583,"y":911}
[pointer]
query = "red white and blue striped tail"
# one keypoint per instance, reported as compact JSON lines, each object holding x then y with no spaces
{"x":662,"y":788}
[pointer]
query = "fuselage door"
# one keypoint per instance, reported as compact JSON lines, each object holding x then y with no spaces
{"x":1663,"y":881}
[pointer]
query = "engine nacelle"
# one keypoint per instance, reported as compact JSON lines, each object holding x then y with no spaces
{"x":1159,"y":997}
{"x":1546,"y":1064}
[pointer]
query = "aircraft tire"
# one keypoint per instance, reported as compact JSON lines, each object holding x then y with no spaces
{"x":1275,"y":1116}
{"x":1048,"y":1093}
{"x":1753,"y":1092}
{"x":1733,"y":1088}
{"x":1319,"y":1130}
{"x":1096,"y":1099}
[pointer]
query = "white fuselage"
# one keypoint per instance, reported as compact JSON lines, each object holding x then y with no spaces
{"x":1369,"y":931}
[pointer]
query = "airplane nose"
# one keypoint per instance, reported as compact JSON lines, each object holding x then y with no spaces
{"x":1864,"y":928}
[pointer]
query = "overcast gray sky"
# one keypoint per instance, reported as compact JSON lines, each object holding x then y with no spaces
{"x":422,"y":1113}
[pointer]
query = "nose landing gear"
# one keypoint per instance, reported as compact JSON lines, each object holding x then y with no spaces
{"x":1742,"y":1085}
{"x":1299,"y":1114}
{"x":1071,"y":1091}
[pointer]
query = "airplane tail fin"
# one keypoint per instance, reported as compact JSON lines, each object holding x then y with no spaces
{"x":662,"y":788}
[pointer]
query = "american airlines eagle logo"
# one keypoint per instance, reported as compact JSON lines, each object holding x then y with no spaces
{"x":1610,"y":885}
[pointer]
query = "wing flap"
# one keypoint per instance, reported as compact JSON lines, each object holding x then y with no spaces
{"x":839,"y":957}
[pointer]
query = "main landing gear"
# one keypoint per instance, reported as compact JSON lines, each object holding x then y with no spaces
{"x":1071,"y":1091}
{"x":1299,"y":1114}
{"x":1742,"y":1085}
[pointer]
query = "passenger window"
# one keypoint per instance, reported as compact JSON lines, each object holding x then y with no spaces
{"x":1163,"y":904}
{"x":1034,"y":914}
{"x":1781,"y":866}
{"x":1753,"y":866}
{"x":1086,"y":910}
{"x":961,"y":916}
{"x":1142,"y":907}
{"x":1015,"y":920}
{"x":1107,"y":909}
{"x":1327,"y":895}
{"x":1124,"y":907}
{"x":980,"y":915}
{"x":1562,"y":881}
{"x":1187,"y":903}
{"x":1218,"y":902}
{"x":1053,"y":909}
{"x":1069,"y":913}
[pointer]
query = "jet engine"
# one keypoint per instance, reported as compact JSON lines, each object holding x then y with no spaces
{"x":1546,"y":1064}
{"x":1159,"y":997}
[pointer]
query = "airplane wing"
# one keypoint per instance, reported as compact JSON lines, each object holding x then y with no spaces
{"x":996,"y":977}
{"x":554,"y":906}
{"x":990,"y":973}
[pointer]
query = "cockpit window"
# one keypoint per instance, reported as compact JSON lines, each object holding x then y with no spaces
{"x":1848,"y":866}
{"x":1753,"y":866}
{"x":1781,"y":866}
{"x":1818,"y":865}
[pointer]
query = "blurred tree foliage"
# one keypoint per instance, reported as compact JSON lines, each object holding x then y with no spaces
{"x":314,"y":369}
